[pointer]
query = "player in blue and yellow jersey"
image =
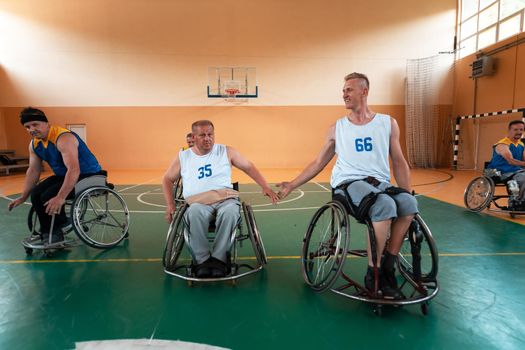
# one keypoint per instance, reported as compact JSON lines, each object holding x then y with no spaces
{"x":508,"y":155}
{"x":68,"y":157}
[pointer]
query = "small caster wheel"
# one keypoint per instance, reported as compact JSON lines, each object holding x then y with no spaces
{"x":190,"y":283}
{"x":512,"y":216}
{"x":126,"y":235}
{"x":234,"y":282}
{"x":424,"y":308}
{"x":378,"y":310}
{"x":29,"y":251}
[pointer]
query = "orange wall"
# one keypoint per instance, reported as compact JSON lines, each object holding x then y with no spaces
{"x":149,"y":137}
{"x":3,"y":134}
{"x":157,"y":52}
{"x":503,"y":90}
{"x":135,"y":72}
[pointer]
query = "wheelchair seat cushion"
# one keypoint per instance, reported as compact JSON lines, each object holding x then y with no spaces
{"x":90,"y":181}
{"x":361,"y":212}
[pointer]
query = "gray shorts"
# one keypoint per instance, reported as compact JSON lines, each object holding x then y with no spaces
{"x":385,"y":207}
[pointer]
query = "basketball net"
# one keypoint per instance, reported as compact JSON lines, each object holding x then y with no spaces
{"x":231,"y":94}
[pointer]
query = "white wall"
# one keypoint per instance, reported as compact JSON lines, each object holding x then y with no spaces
{"x":157,"y":52}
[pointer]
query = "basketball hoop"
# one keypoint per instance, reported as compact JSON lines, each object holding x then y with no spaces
{"x":231,"y":93}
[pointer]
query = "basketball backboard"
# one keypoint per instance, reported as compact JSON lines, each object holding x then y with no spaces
{"x":232,"y":82}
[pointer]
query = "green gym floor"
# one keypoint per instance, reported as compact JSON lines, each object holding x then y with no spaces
{"x":84,"y":294}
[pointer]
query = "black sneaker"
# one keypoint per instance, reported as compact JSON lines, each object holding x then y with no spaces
{"x":369,"y":279}
{"x":388,"y":283}
{"x":228,"y":263}
{"x":203,"y":270}
{"x":218,"y":268}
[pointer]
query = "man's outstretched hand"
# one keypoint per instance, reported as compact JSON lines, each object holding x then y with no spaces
{"x":286,"y":188}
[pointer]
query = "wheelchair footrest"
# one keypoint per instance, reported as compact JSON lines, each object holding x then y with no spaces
{"x":35,"y":242}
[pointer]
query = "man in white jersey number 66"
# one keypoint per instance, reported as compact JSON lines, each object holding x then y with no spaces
{"x":205,"y":169}
{"x":363,"y":141}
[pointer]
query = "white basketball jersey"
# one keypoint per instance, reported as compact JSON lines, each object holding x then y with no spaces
{"x":362,"y":150}
{"x":211,"y":171}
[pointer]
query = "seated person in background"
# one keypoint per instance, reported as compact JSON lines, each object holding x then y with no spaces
{"x":508,"y":156}
{"x":189,"y":141}
{"x":205,"y":169}
{"x":69,"y":158}
{"x":363,"y":140}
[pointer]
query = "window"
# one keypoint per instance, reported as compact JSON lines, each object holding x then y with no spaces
{"x":485,"y":22}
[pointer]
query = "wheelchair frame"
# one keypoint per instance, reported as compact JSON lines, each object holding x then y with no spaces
{"x":333,"y":249}
{"x":178,"y":235}
{"x":480,"y":194}
{"x":95,"y":203}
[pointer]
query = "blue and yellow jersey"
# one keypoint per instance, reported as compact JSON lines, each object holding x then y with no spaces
{"x":48,"y":151}
{"x":499,"y":163}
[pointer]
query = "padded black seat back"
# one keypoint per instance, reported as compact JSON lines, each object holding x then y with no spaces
{"x":494,"y":174}
{"x":342,"y":198}
{"x":90,"y":181}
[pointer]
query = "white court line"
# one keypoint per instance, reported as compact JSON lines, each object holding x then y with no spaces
{"x":241,"y":192}
{"x":10,"y":199}
{"x":287,"y":209}
{"x":137,"y":185}
{"x":301,"y":194}
{"x":139,"y":198}
{"x":255,"y":210}
{"x":318,"y":184}
{"x":281,"y":202}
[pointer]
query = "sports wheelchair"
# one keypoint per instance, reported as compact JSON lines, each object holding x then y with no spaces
{"x":480,"y":193}
{"x":178,"y":198}
{"x":97,"y":213}
{"x":326,"y":248}
{"x":183,"y":267}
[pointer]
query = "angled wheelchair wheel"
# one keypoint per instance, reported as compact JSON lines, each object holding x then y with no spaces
{"x":100,"y":217}
{"x":32,"y":222}
{"x":255,"y":237}
{"x":479,"y":193}
{"x":325,"y":246}
{"x":177,"y":192}
{"x":174,"y":240}
{"x":418,"y":257}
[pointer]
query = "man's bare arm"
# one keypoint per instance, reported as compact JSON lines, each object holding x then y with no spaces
{"x":67,"y":144}
{"x":400,"y":166}
{"x":311,"y":170}
{"x":239,"y":161}
{"x":170,"y":177}
{"x":32,"y":175}
{"x":504,"y":151}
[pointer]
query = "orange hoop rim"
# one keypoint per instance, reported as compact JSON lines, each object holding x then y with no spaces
{"x":232,"y":92}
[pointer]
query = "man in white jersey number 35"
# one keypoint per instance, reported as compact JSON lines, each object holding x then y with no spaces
{"x":363,"y":140}
{"x":205,"y":169}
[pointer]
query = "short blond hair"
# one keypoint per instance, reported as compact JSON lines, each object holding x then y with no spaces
{"x":362,"y":77}
{"x":203,"y":122}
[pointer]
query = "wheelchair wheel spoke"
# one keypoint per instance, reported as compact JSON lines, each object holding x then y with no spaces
{"x":479,"y":193}
{"x":423,"y":254}
{"x":103,"y":219}
{"x":325,"y":246}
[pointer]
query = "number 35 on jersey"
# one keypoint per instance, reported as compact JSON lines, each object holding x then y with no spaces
{"x":204,"y":171}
